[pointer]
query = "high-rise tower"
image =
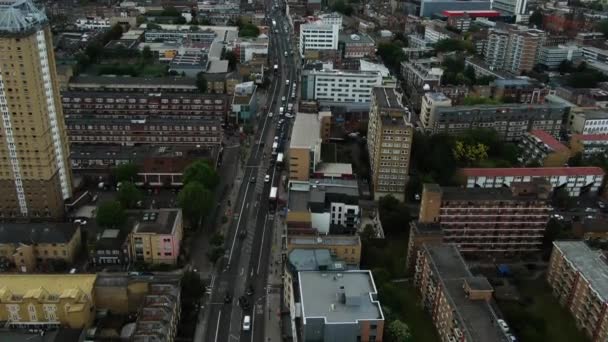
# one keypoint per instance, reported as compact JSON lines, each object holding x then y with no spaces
{"x":35,"y":177}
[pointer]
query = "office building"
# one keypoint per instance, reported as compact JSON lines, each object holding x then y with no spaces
{"x":340,"y":306}
{"x":333,"y":18}
{"x":554,"y":56}
{"x":539,"y":147}
{"x":430,"y":102}
{"x":589,"y":122}
{"x":35,"y":174}
{"x":133,"y":111}
{"x":323,"y":206}
{"x":199,"y":36}
{"x":589,"y":144}
{"x":346,"y":248}
{"x":159,"y":314}
{"x":247,"y":48}
{"x":44,"y":301}
{"x":351,"y":89}
{"x":576,"y":180}
{"x":189,"y":64}
{"x":389,"y":142}
{"x":577,"y":275}
{"x":356,"y":45}
{"x":219,"y":12}
{"x":459,"y":302}
{"x":594,"y":54}
{"x":156,"y":236}
{"x":453,"y":214}
{"x":309,"y":130}
{"x":318,"y":36}
{"x":427,"y":8}
{"x":35,"y":246}
{"x":461,"y":20}
{"x":511,"y":121}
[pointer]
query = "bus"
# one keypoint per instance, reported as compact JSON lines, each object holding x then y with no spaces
{"x":279,"y":160}
{"x":275,"y":146}
{"x":272,"y":200}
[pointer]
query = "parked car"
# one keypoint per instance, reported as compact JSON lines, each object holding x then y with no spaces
{"x":502,"y":324}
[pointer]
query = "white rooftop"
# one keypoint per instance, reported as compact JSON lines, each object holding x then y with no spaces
{"x":306,"y":131}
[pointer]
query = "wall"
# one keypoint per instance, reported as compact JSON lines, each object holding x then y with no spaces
{"x":299,"y":164}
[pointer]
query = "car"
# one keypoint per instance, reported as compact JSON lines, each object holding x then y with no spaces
{"x":289,"y":116}
{"x":281,"y":110}
{"x":283,"y":98}
{"x":252,"y":180}
{"x":502,"y":324}
{"x":601,"y":204}
{"x":243,"y":234}
{"x":81,"y":222}
{"x":266,"y":178}
{"x":591,"y":210}
{"x":247,"y":323}
{"x":269,"y":114}
{"x":276,"y":137}
{"x":249,"y":290}
{"x":208,"y":289}
{"x":227,"y":298}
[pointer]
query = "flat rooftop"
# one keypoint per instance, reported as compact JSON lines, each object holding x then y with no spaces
{"x":313,"y":260}
{"x":533,"y":171}
{"x":595,"y":115}
{"x":387,"y":98}
{"x":338,"y":169}
{"x":326,"y":240}
{"x":29,"y":233}
{"x":320,"y":299}
{"x":306,"y":131}
{"x":477,"y":316}
{"x":160,"y":221}
{"x":588,"y":263}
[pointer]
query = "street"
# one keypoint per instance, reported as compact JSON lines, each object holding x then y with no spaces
{"x":249,"y":238}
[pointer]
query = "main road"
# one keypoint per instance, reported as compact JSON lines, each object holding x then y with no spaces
{"x":248,"y":242}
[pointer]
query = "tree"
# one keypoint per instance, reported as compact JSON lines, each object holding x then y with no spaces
{"x":394,"y":216}
{"x":450,"y":44}
{"x":180,"y":20}
{"x":476,"y":100}
{"x":195,"y":201}
{"x":536,"y":19}
{"x":231,"y":58}
{"x":565,"y":66}
{"x":193,"y":289}
{"x":469,"y":72}
{"x":125,"y":172}
{"x":602,"y":26}
{"x":342,"y":7}
{"x":111,"y":214}
{"x":392,"y":54}
{"x":147,"y":54}
{"x":153,"y":26}
{"x":368,"y":233}
{"x":217,"y":239}
{"x":399,"y":331}
{"x":470,"y":153}
{"x":201,"y":82}
{"x":170,"y":12}
{"x":201,"y":172}
{"x":562,"y":199}
{"x":215,"y":253}
{"x":129,"y":195}
{"x":249,"y":30}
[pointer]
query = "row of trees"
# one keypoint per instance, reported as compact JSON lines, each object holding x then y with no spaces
{"x":455,"y":73}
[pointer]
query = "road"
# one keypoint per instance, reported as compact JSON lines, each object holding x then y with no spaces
{"x":248,"y":240}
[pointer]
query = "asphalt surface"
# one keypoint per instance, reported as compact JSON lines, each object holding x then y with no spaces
{"x":249,"y":239}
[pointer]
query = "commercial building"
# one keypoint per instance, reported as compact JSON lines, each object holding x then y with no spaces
{"x":351,"y":89}
{"x":539,"y":147}
{"x":318,"y":36}
{"x":511,"y":7}
{"x":589,"y":144}
{"x":206,"y":36}
{"x":576,"y":180}
{"x":389,"y":142}
{"x":346,"y":248}
{"x":511,"y":121}
{"x":577,"y":276}
{"x":459,"y":302}
{"x":159,"y":315}
{"x":92,"y":23}
{"x":553,"y":56}
{"x":589,"y":122}
{"x":461,"y":20}
{"x":156,"y":236}
{"x":35,"y":173}
{"x":356,"y":45}
{"x":305,"y":144}
{"x":189,"y":64}
{"x":426,"y":8}
{"x":430,"y":102}
{"x":247,"y":48}
{"x":340,"y":306}
{"x":42,"y":301}
{"x":325,"y":206}
{"x":513,"y":221}
{"x":36,"y":245}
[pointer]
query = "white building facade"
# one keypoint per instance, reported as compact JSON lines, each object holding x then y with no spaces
{"x":340,"y":87}
{"x":319,"y":36}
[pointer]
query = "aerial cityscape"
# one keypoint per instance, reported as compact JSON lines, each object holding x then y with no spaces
{"x":303,"y":171}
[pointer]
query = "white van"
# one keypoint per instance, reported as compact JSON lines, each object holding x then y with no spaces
{"x":281,"y":110}
{"x":246,"y":323}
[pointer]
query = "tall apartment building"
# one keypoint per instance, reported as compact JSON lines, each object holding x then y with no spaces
{"x":513,"y":49}
{"x":389,"y":142}
{"x":318,"y":36}
{"x":511,"y":121}
{"x":459,"y":302}
{"x":496,"y":48}
{"x":511,"y":7}
{"x":577,"y":276}
{"x":135,"y":111}
{"x":35,"y":174}
{"x":487,"y":222}
{"x":430,"y":102}
{"x":344,"y":88}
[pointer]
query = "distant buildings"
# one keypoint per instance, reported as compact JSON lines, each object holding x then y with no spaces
{"x":513,"y":49}
{"x":340,"y":305}
{"x":389,"y":142}
{"x":553,"y":56}
{"x":459,"y":302}
{"x":43,"y":301}
{"x":426,"y":8}
{"x":156,"y":236}
{"x":577,"y":276}
{"x":575,"y":180}
{"x":543,"y":149}
{"x":35,"y":246}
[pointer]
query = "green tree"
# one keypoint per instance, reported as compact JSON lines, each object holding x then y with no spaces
{"x":249,"y":30}
{"x":394,"y":216}
{"x":201,"y":172}
{"x":110,"y":214}
{"x":469,"y":72}
{"x":470,"y":153}
{"x":231,"y":58}
{"x":217,"y":239}
{"x":392,"y":54}
{"x":399,"y":331}
{"x":477,"y":100}
{"x":368,"y":233}
{"x":153,"y":26}
{"x":180,"y":20}
{"x":193,"y":289}
{"x":195,"y":201}
{"x":129,"y":195}
{"x":201,"y":82}
{"x":125,"y":172}
{"x":147,"y":54}
{"x":450,"y":45}
{"x":342,"y":7}
{"x":171,"y":12}
{"x":602,"y":26}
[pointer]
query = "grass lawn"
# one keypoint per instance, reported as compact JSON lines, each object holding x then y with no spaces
{"x":386,"y":259}
{"x":539,"y":314}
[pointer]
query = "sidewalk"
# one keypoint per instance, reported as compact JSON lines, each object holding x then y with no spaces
{"x":274,"y":304}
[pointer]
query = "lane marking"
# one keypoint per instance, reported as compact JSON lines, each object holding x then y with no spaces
{"x":238,"y":224}
{"x":217,"y":328}
{"x":261,"y":245}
